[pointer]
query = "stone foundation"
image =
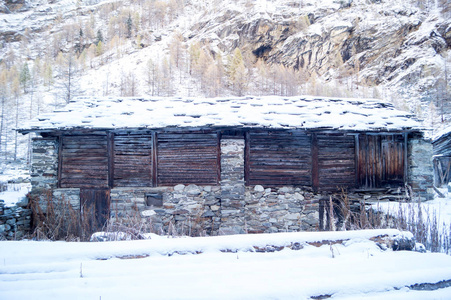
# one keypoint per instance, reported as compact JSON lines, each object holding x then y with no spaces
{"x":15,"y":221}
{"x":188,"y":209}
{"x":198,"y":210}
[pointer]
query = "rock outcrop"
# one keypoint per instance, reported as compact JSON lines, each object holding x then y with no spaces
{"x":394,"y":45}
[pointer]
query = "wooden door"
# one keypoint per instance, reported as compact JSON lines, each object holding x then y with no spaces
{"x":381,"y":160}
{"x":95,"y":209}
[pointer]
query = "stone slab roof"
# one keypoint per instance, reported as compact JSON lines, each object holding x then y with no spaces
{"x":276,"y":112}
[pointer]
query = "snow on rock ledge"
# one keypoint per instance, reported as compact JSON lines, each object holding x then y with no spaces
{"x":384,"y":238}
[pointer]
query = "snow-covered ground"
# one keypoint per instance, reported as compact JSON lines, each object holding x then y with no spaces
{"x":14,"y":193}
{"x":14,"y":184}
{"x":438,"y":210}
{"x":356,"y":269}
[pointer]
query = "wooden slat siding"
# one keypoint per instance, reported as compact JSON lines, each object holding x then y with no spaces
{"x":315,"y":171}
{"x":84,"y":162}
{"x":278,"y":158}
{"x":133,"y":160}
{"x":382,"y":160}
{"x":190,"y":158}
{"x":336,"y":161}
{"x":442,"y":146}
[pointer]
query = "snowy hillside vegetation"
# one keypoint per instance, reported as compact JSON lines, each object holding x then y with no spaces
{"x":52,"y":51}
{"x":349,"y":266}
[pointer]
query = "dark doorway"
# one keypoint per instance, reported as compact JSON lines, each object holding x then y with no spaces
{"x":95,"y":209}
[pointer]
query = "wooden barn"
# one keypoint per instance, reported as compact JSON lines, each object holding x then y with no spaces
{"x":253,"y":164}
{"x":442,"y":157}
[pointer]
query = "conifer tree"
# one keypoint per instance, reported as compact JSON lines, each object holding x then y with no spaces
{"x":99,"y":37}
{"x":25,"y":77}
{"x":152,"y":77}
{"x":129,"y":24}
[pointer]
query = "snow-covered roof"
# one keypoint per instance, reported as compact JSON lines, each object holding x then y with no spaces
{"x":442,"y":133}
{"x":246,"y":112}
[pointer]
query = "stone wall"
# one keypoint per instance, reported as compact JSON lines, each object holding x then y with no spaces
{"x":199,"y":210}
{"x":421,"y":171}
{"x":283,"y":209}
{"x":232,"y":186}
{"x":44,"y":165}
{"x":186,"y":210}
{"x":15,"y":221}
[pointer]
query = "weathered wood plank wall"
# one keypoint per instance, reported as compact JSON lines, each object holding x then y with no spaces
{"x":278,"y":158}
{"x":190,"y":158}
{"x":132,"y":160}
{"x":325,"y":161}
{"x":442,"y":159}
{"x":336,"y":161}
{"x":84,"y":162}
{"x":442,"y":146}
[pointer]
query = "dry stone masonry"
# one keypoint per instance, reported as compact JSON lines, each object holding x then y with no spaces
{"x":15,"y":221}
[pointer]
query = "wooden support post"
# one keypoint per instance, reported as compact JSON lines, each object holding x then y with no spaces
{"x":110,"y":153}
{"x":154,"y":159}
{"x":60,"y":160}
{"x":315,"y":163}
{"x":247,"y":154}
{"x":218,"y":155}
{"x":406,"y":157}
{"x":357,"y":160}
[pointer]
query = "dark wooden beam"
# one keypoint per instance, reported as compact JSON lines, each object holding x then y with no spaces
{"x":357,"y":160}
{"x":60,"y":160}
{"x":218,"y":160}
{"x":110,"y":153}
{"x":315,"y":163}
{"x":247,"y":154}
{"x":406,"y":157}
{"x":154,"y":170}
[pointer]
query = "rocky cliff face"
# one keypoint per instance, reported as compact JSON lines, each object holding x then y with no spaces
{"x":397,"y":46}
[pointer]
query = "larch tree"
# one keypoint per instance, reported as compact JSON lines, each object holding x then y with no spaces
{"x":237,"y":73}
{"x":194,"y":53}
{"x":166,"y":80}
{"x":69,"y":80}
{"x":152,"y":72}
{"x":15,"y":89}
{"x":3,"y":97}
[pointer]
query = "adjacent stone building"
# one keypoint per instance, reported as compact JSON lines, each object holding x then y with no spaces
{"x":224,"y":165}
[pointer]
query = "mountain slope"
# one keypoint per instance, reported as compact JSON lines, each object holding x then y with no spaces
{"x":396,"y":50}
